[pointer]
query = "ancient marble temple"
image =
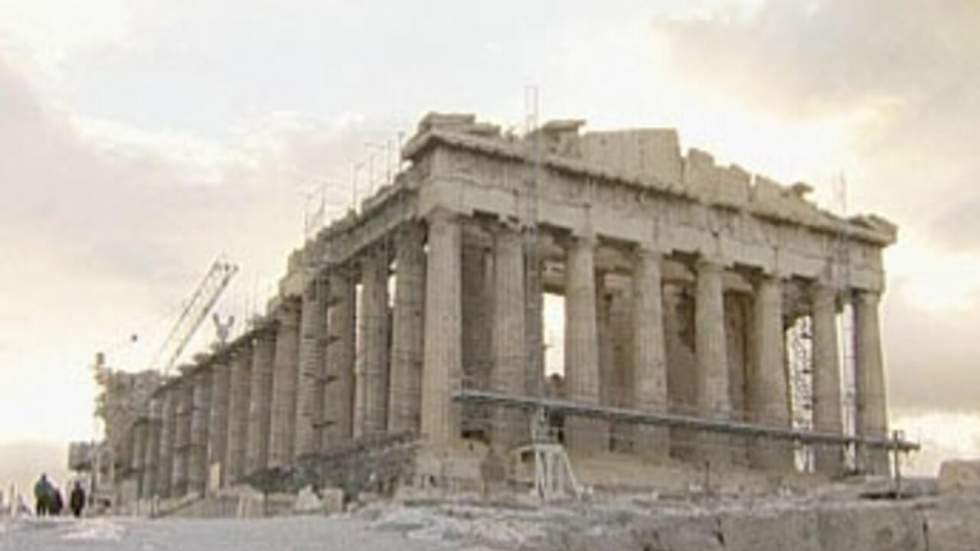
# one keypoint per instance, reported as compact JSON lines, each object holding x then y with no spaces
{"x":678,"y":278}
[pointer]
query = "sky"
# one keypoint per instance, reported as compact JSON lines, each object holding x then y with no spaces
{"x":139,"y":140}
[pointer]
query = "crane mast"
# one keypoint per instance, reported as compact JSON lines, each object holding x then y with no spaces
{"x":196,"y":310}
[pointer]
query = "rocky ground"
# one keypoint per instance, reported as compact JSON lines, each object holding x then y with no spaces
{"x":640,"y":522}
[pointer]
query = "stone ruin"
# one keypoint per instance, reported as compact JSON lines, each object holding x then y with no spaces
{"x":680,"y":280}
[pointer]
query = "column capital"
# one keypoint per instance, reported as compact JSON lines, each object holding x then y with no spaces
{"x":442,"y":215}
{"x":647,"y":251}
{"x":866,"y":296}
{"x":570,"y":241}
{"x":709,"y":264}
{"x":822,"y":292}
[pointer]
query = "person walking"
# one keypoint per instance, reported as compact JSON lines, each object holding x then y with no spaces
{"x":57,"y":502}
{"x":42,"y":496}
{"x":76,"y":501}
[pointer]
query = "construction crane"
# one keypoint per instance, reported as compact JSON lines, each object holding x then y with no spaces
{"x":193,"y":314}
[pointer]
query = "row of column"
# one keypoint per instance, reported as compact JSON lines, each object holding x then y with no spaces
{"x":326,"y":370}
{"x":767,"y":381}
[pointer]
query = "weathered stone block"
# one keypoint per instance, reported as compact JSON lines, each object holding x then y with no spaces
{"x":959,"y":476}
{"x":776,"y":531}
{"x":871,"y":529}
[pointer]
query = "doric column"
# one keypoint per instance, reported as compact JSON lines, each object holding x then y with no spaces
{"x":371,"y":410}
{"x":168,"y":430}
{"x":768,"y":384}
{"x":182,"y":435}
{"x":260,"y":400}
{"x":218,"y":420}
{"x":508,"y":336}
{"x":872,"y":409}
{"x":200,"y":417}
{"x":582,"y":346}
{"x":312,"y":367}
{"x":285,"y":388}
{"x":139,"y":443}
{"x":606,"y":341}
{"x":477,"y":320}
{"x":534,"y":309}
{"x":442,"y":370}
{"x":151,"y":455}
{"x":826,"y":377}
{"x":712,"y":357}
{"x":238,"y":405}
{"x":649,"y":352}
{"x":405,"y":402}
{"x":339,"y":396}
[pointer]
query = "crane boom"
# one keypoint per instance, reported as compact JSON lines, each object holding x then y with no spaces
{"x":200,"y":304}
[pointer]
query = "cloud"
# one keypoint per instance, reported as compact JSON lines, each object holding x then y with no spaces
{"x":108,"y":228}
{"x":907,"y":74}
{"x":818,"y":57}
{"x":906,"y":78}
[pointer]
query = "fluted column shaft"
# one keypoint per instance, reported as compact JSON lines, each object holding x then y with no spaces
{"x":371,"y":408}
{"x":582,"y":346}
{"x":339,"y":397}
{"x":151,"y":455}
{"x":285,"y":389}
{"x":405,"y":402}
{"x":139,"y":444}
{"x":768,"y":383}
{"x":218,"y":420}
{"x":164,"y":482}
{"x":712,"y":357}
{"x":260,"y":401}
{"x":649,"y":352}
{"x":826,"y":377}
{"x":238,"y":409}
{"x":182,"y":435}
{"x":442,"y":371}
{"x":312,"y":368}
{"x":509,"y":335}
{"x":872,"y":408}
{"x":200,"y":417}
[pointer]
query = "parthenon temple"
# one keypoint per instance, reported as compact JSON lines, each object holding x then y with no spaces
{"x":679,"y":288}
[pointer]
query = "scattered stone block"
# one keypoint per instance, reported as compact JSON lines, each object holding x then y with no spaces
{"x":959,"y":476}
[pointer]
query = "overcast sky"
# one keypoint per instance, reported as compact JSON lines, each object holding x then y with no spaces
{"x":140,"y":139}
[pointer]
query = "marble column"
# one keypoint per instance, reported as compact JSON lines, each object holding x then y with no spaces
{"x":312,"y":367}
{"x":649,"y":353}
{"x":768,"y":384}
{"x":182,"y":433}
{"x":827,"y":414}
{"x":139,"y":443}
{"x":509,"y":334}
{"x":260,"y":400}
{"x":341,"y":341}
{"x":442,"y":370}
{"x":164,"y":482}
{"x":582,"y":435}
{"x":477,"y":314}
{"x":238,"y":409}
{"x":712,"y":358}
{"x":372,"y":358}
{"x":218,"y":420}
{"x":534,"y":309}
{"x":405,"y":401}
{"x":285,"y":385}
{"x":872,"y":409}
{"x":151,"y":456}
{"x":200,"y":417}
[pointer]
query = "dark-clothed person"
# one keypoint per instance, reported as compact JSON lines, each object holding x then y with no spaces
{"x":57,"y":502}
{"x":76,"y":501}
{"x":42,"y":496}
